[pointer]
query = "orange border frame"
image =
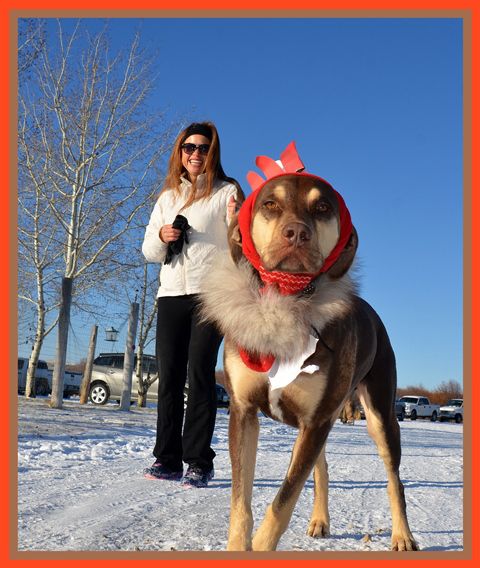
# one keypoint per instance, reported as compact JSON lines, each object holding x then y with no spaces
{"x":352,"y":8}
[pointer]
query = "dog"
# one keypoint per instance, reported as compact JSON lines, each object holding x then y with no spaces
{"x":298,"y":356}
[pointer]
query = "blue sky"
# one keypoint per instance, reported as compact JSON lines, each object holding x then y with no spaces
{"x":375,"y":107}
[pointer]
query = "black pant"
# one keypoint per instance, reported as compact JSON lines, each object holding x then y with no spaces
{"x":185,"y":346}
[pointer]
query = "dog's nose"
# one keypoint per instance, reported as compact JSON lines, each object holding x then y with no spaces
{"x":296,"y":234}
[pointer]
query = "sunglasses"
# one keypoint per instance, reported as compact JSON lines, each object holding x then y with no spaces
{"x":190,"y":148}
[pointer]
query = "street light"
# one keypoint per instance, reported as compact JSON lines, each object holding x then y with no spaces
{"x":111,"y":334}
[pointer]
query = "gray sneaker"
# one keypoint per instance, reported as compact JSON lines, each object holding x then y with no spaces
{"x":195,"y":476}
{"x":160,"y":471}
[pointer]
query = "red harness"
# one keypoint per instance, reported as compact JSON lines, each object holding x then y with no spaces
{"x":286,"y":282}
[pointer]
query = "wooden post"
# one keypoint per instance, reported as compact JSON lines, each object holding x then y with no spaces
{"x":56,"y":400}
{"x":129,"y":357}
{"x":87,"y":374}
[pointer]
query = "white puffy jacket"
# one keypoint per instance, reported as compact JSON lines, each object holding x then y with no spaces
{"x":207,"y":236}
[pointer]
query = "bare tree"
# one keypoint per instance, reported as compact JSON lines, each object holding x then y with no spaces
{"x":38,"y":254}
{"x":31,"y":39}
{"x":89,"y":153}
{"x":447,"y":390}
{"x":148,"y":310}
{"x":438,"y":395}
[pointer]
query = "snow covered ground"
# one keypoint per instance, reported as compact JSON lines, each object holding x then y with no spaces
{"x":80,"y":485}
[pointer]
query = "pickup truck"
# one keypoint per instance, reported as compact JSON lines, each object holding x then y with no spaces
{"x":420,"y":407}
{"x":453,"y":410}
{"x":399,"y":411}
{"x":71,"y":383}
{"x":41,"y":376}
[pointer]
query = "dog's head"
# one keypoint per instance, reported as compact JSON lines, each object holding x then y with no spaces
{"x":295,"y":225}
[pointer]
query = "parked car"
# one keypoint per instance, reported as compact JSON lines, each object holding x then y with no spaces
{"x":453,"y":410}
{"x":41,"y":377}
{"x":419,"y":407}
{"x":399,"y":411}
{"x":223,"y":400}
{"x":71,"y":383}
{"x":107,"y":378}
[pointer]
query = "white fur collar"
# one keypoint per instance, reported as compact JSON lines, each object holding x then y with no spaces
{"x":268,"y":322}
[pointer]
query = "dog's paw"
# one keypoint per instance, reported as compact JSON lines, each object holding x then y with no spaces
{"x":237,"y":548}
{"x":237,"y":545}
{"x":318,"y":529}
{"x":403,"y":543}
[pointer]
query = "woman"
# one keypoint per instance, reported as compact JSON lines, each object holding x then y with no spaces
{"x":204,"y":198}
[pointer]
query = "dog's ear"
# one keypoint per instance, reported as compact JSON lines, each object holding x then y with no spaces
{"x":235,"y":240}
{"x":344,"y":261}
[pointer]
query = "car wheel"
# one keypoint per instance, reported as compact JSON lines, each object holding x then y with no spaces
{"x":458,"y":418}
{"x":41,"y":387}
{"x":99,"y":393}
{"x":413,"y":415}
{"x":434,"y":416}
{"x":42,"y":390}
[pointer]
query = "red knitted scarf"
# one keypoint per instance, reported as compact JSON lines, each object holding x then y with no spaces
{"x":287,"y":283}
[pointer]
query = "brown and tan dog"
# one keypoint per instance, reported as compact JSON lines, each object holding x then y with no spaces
{"x":294,"y":227}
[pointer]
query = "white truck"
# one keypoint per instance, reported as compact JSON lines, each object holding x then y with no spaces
{"x":43,"y":379}
{"x":452,"y":410}
{"x":419,"y":407}
{"x":41,"y":376}
{"x":71,"y":383}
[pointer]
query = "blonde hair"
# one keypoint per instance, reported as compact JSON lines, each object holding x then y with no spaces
{"x":213,"y":166}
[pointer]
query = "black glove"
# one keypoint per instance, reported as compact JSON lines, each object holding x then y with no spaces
{"x":175,"y":247}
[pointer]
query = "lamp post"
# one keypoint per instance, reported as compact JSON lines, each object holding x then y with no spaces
{"x":111,"y":334}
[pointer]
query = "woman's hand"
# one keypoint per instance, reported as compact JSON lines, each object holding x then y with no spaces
{"x":168,"y":233}
{"x":232,"y":207}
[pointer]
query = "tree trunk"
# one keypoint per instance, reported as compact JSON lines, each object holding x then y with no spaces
{"x":145,"y":326}
{"x":142,"y":391}
{"x":142,"y":400}
{"x":129,"y":358}
{"x":87,"y":374}
{"x":61,"y":355}
{"x":30,"y":383}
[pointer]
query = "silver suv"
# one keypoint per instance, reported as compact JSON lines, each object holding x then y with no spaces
{"x":107,"y":378}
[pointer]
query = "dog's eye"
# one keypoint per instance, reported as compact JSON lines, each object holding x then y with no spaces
{"x":322,"y":207}
{"x":271,"y":206}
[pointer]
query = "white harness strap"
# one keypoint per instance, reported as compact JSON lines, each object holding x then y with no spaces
{"x":283,"y":373}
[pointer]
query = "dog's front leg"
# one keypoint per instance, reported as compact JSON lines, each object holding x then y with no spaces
{"x":305,"y":453}
{"x":243,"y":440}
{"x":320,"y":520}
